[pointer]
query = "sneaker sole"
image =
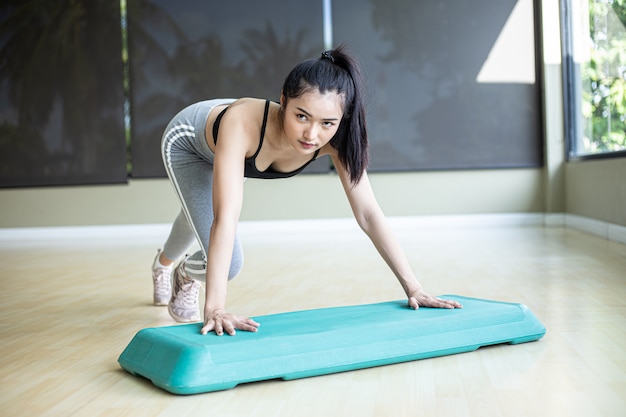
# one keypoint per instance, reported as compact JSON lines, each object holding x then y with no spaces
{"x":182,"y":319}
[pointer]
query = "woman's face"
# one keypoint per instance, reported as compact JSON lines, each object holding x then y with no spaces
{"x":311,"y":120}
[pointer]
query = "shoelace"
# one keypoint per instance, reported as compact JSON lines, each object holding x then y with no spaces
{"x":190,"y":293}
{"x":162,"y":280}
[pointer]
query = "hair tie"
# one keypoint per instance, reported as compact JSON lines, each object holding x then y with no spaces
{"x":327,"y":55}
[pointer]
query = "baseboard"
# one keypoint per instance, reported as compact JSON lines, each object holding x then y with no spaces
{"x":271,"y":227}
{"x":86,"y":235}
{"x":599,"y":228}
{"x":555,"y":219}
{"x":10,"y":237}
{"x":399,"y":223}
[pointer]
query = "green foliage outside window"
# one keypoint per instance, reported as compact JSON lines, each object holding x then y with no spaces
{"x":604,"y":79}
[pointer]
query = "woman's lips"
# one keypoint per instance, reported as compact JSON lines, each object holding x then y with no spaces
{"x":307,"y":145}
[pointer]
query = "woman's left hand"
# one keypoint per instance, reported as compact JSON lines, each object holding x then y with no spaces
{"x":419,"y":299}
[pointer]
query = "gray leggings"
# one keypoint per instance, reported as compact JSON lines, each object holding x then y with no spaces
{"x":189,"y":164}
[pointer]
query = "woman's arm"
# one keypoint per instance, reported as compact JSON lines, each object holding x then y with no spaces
{"x":228,"y":177}
{"x":372,"y":221}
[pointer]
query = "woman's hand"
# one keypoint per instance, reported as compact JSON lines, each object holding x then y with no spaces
{"x":420,"y":298}
{"x":220,"y":321}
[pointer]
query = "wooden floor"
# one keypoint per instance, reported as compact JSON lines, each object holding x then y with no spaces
{"x":70,"y":307}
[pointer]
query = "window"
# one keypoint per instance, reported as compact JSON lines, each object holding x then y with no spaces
{"x":61,"y":97}
{"x":183,"y":52}
{"x":594,"y":35}
{"x":452,"y":84}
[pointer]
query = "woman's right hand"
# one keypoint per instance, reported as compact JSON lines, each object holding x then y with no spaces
{"x":220,"y":321}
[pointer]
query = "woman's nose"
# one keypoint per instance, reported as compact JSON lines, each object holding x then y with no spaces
{"x":310,"y":132}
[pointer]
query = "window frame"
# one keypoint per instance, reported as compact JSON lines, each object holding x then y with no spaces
{"x":572,"y":93}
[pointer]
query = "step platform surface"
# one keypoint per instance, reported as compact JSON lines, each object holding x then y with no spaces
{"x":308,"y":343}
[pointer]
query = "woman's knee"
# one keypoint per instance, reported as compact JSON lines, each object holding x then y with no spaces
{"x":236,"y":263}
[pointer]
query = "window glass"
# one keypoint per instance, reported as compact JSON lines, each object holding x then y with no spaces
{"x":452,"y":84}
{"x":184,"y":52}
{"x":597,"y":46}
{"x":61,"y":96}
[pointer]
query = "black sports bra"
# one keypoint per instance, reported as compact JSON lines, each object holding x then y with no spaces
{"x":250,"y":170}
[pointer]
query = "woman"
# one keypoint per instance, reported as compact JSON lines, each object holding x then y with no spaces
{"x":211,"y":146}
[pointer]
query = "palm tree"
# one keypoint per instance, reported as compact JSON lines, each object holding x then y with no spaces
{"x":269,"y":58}
{"x":60,"y":70}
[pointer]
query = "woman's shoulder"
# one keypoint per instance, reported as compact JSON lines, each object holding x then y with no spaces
{"x":244,"y":116}
{"x":247,"y":104}
{"x":245,"y":113}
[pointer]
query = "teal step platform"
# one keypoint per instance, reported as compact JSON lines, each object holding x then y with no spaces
{"x":307,"y":343}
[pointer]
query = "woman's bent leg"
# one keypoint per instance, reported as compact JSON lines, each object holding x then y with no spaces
{"x":189,"y":165}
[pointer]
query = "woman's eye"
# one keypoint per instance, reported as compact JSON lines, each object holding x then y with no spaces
{"x":300,"y":116}
{"x":329,"y":124}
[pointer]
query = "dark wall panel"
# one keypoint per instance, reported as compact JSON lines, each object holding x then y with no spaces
{"x":427,"y":111}
{"x":61,"y":96}
{"x":61,"y":78}
{"x":183,"y":52}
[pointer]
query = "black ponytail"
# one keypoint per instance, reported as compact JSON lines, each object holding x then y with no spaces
{"x":336,"y":70}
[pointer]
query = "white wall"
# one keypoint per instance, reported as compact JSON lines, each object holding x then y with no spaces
{"x":306,"y":196}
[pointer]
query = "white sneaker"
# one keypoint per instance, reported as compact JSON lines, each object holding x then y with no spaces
{"x":183,"y":306}
{"x":161,"y":278}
